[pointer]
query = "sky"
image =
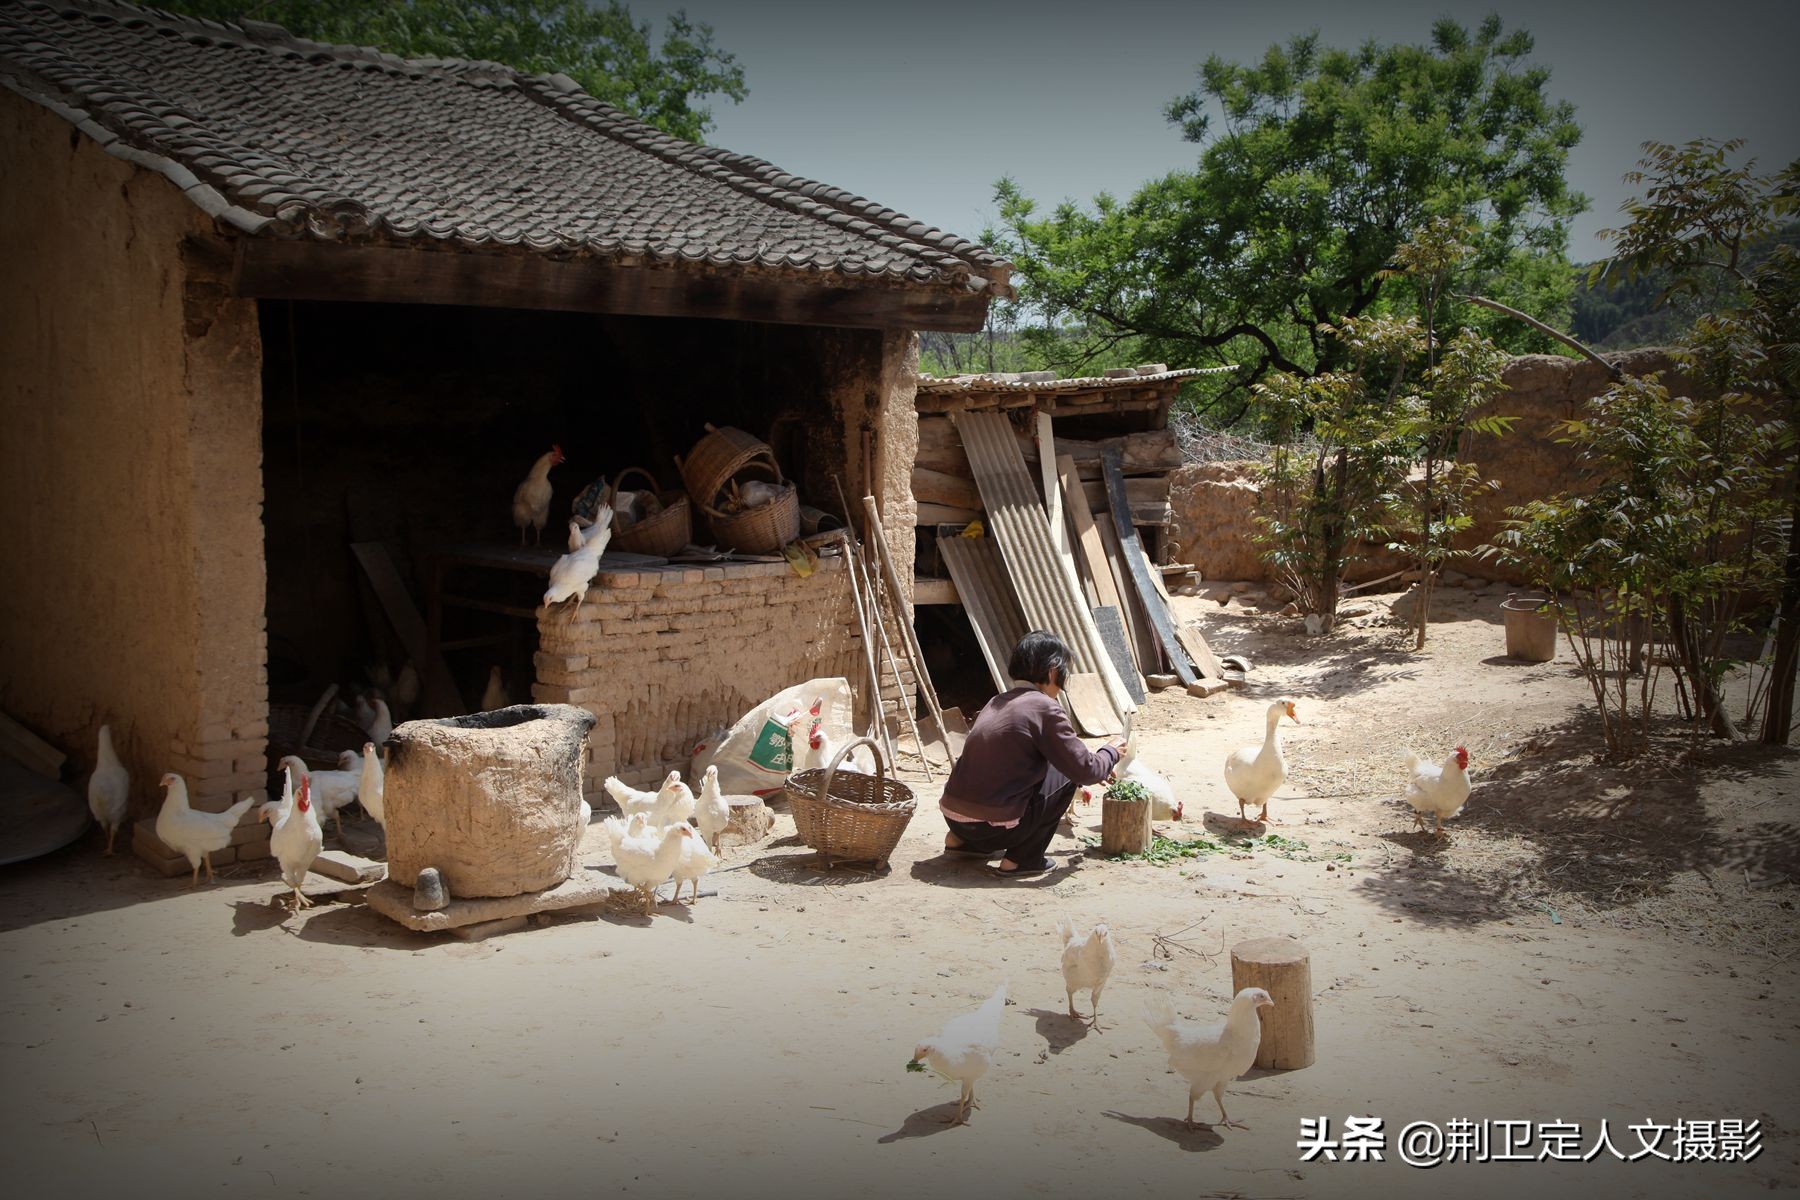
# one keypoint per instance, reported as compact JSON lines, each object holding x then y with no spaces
{"x":921,"y":106}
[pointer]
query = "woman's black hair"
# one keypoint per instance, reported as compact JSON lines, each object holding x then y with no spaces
{"x":1037,"y":655}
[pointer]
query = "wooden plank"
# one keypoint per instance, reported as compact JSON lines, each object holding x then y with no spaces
{"x":270,"y":268}
{"x":1192,"y":640}
{"x":988,"y":599}
{"x":1137,"y":624}
{"x":1138,"y":567}
{"x":1090,"y":710}
{"x":1140,"y":453}
{"x":1087,"y":537}
{"x":1059,"y":533}
{"x":937,"y":487}
{"x":440,"y":695}
{"x":1143,"y":492}
{"x":1111,"y":624}
{"x":927,"y":590}
{"x":29,"y":750}
{"x":943,"y":514}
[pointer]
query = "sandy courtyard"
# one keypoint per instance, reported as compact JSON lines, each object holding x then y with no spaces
{"x":1588,"y":944}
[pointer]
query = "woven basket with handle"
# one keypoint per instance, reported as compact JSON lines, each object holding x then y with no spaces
{"x":663,"y":534}
{"x":316,"y":735}
{"x":715,"y":461}
{"x":846,"y":815}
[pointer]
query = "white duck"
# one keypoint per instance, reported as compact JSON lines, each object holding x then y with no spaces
{"x":109,"y":788}
{"x":1254,"y":773}
{"x":711,"y":811}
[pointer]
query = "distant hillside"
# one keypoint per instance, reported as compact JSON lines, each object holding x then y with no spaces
{"x":1627,"y":314}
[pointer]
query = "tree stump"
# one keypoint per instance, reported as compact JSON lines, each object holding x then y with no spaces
{"x":750,"y":820}
{"x":1124,"y":826}
{"x":1282,"y":968}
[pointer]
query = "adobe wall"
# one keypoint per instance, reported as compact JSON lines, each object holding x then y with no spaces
{"x":1215,"y":502}
{"x":663,"y":656}
{"x":130,"y":478}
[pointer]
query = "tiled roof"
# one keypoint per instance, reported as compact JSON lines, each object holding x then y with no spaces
{"x":1044,"y":382}
{"x":282,"y":137}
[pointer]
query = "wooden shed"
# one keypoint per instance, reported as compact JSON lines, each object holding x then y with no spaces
{"x":289,"y":321}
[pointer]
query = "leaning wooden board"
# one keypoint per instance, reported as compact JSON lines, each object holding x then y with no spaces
{"x":1192,"y":640}
{"x":1138,"y":567}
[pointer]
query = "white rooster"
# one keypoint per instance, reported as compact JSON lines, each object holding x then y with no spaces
{"x":531,"y":499}
{"x":109,"y":788}
{"x":646,"y":858}
{"x":712,"y":813}
{"x":1440,"y":789}
{"x":332,"y":791}
{"x":1255,"y":773}
{"x":696,"y":860}
{"x":372,"y":714}
{"x":296,"y":839}
{"x":371,"y":785}
{"x":1211,"y":1056}
{"x":192,"y":833}
{"x":571,"y":574}
{"x":964,"y":1050}
{"x":1087,"y":962}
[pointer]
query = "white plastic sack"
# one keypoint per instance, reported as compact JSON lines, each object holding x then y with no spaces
{"x":754,"y":757}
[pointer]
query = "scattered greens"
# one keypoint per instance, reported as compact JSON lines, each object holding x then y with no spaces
{"x":1127,"y":790}
{"x":1165,"y":851}
{"x":915,"y":1065}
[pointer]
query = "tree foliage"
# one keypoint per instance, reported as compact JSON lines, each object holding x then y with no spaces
{"x":1315,"y":164}
{"x":600,"y":47}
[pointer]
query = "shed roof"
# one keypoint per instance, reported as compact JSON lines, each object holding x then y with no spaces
{"x":287,"y":139}
{"x":1045,"y":383}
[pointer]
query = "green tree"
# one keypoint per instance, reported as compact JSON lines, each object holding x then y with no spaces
{"x":1315,"y":165}
{"x":599,"y":47}
{"x":1698,"y":220}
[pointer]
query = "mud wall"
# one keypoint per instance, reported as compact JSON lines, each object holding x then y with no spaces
{"x":1214,"y":503}
{"x":130,"y":480}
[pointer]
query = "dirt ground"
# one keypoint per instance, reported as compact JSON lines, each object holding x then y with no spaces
{"x":1588,"y":944}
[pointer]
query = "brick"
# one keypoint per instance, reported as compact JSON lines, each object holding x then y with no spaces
{"x":148,"y":846}
{"x":560,"y":662}
{"x":740,"y":603}
{"x":254,"y":851}
{"x":347,"y":867}
{"x":252,"y":730}
{"x":548,"y":693}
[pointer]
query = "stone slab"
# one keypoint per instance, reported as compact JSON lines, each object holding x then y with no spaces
{"x":482,"y":930}
{"x":580,"y":890}
{"x":349,"y":868}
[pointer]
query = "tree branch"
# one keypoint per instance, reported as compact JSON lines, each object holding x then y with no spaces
{"x":1538,"y":325}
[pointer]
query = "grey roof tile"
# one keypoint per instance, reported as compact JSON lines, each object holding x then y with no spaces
{"x":296,"y":139}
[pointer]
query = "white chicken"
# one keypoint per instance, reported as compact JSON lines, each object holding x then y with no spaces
{"x":1440,"y":789}
{"x":814,"y":749}
{"x":109,"y":788}
{"x":696,"y":860}
{"x":192,"y":833}
{"x":1254,"y":773}
{"x":531,"y":499}
{"x":965,"y":1050}
{"x":296,"y":839}
{"x":647,"y":858}
{"x":617,"y":829}
{"x":332,"y":791}
{"x":494,"y":695}
{"x":571,"y":574}
{"x":406,"y":689}
{"x":656,"y":806}
{"x":1163,"y":804}
{"x":371,"y":785}
{"x":372,"y":714}
{"x":1211,"y":1056}
{"x":1087,"y":962}
{"x":711,"y":811}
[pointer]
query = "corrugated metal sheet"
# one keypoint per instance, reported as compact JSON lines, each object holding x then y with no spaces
{"x":1049,"y":597}
{"x":987,"y":596}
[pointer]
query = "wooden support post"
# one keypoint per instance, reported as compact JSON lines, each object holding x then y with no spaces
{"x":1281,"y":967}
{"x":1124,"y":826}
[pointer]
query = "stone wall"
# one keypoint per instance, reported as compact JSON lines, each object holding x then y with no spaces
{"x":130,"y":480}
{"x":1215,"y":502}
{"x":663,"y":656}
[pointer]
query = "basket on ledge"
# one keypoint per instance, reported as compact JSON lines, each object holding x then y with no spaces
{"x":661,"y":535}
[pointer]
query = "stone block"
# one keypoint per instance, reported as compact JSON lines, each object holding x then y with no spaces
{"x":347,"y":867}
{"x":253,"y":851}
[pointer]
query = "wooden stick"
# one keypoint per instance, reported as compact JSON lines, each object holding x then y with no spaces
{"x":908,"y":641}
{"x":862,"y":625}
{"x":887,"y":652}
{"x":861,"y":586}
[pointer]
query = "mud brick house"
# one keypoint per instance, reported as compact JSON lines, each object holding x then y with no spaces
{"x":272,"y":300}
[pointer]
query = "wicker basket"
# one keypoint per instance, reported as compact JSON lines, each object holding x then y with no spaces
{"x":848,"y":815}
{"x":764,"y":529}
{"x":663,"y":534}
{"x":716,"y":457}
{"x":318,"y":736}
